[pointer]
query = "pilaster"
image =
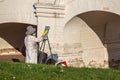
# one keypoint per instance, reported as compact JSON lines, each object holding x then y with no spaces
{"x":51,"y":14}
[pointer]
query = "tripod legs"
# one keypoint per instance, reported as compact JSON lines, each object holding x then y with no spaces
{"x":41,"y":53}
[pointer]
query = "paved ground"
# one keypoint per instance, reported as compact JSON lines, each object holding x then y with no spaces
{"x":12,"y":58}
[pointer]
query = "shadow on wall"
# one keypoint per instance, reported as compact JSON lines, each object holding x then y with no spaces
{"x":14,"y":34}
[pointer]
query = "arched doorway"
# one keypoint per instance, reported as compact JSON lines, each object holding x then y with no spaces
{"x":12,"y":36}
{"x":105,"y":28}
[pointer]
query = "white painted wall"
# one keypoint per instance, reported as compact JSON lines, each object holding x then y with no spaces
{"x":77,"y":31}
{"x":21,"y":11}
{"x":87,"y":40}
{"x":62,"y":28}
{"x":75,"y":7}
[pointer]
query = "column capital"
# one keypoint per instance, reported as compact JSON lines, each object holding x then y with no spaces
{"x":49,"y":10}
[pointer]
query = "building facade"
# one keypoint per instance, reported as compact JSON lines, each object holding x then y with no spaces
{"x":85,"y":33}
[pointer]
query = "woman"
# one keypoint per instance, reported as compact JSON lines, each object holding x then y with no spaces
{"x":31,"y":45}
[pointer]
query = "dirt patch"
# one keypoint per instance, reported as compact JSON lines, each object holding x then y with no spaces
{"x":12,"y":58}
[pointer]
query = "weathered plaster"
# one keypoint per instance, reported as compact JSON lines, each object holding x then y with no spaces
{"x":70,"y":37}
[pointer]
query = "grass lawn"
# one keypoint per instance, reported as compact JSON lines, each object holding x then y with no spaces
{"x":23,"y":71}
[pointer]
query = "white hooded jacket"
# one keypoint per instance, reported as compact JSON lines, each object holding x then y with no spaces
{"x":31,"y":48}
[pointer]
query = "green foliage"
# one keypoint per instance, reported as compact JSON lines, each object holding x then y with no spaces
{"x":23,"y":71}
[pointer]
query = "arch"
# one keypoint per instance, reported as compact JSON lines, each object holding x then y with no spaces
{"x":76,"y":7}
{"x":12,"y":35}
{"x":70,"y":16}
{"x":106,"y":26}
{"x":17,"y":22}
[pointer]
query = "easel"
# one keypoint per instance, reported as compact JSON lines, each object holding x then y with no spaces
{"x":42,"y":56}
{"x":42,"y":47}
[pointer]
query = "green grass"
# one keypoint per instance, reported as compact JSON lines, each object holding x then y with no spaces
{"x":23,"y":71}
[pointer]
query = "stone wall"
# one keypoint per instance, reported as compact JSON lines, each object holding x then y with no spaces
{"x":66,"y":30}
